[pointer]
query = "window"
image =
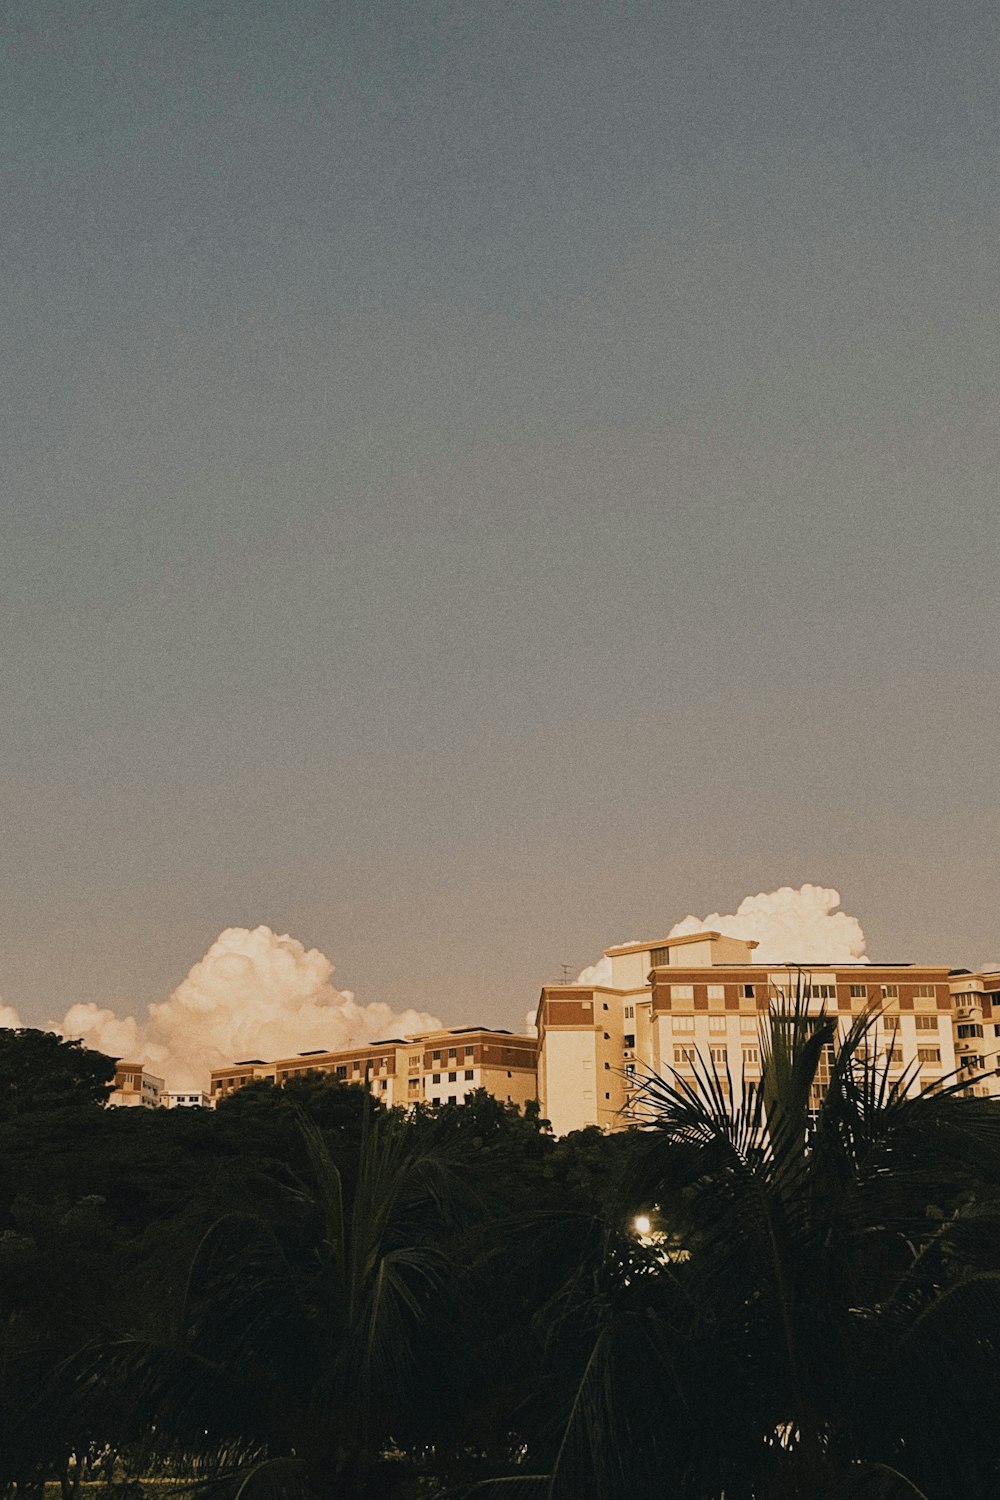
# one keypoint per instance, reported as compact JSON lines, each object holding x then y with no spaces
{"x":607,"y":1096}
{"x":413,"y":1085}
{"x":859,"y":992}
{"x":435,"y":1078}
{"x":719,"y":1054}
{"x":340,"y":1071}
{"x":748,"y":1023}
{"x":682,"y":992}
{"x":967,"y":1029}
{"x":684,"y":1054}
{"x":630,"y":1012}
{"x":748,"y":992}
{"x":629,"y":1039}
{"x":469,"y":1075}
{"x":435,"y":1057}
{"x":717,"y":1024}
{"x":436,"y":1100}
{"x":891,"y":1023}
{"x":924,"y":992}
{"x":607,"y":1067}
{"x":452,"y":1077}
{"x":384,"y":1085}
{"x":468,"y":1053}
{"x":630,"y":1070}
{"x":607,"y":1036}
{"x":823,"y":991}
{"x":929,"y":1054}
{"x":415,"y":1059}
{"x":683,"y":1023}
{"x":452,"y":1052}
{"x":659,"y":957}
{"x":717,"y":992}
{"x":452,"y":1099}
{"x":890,"y":991}
{"x":751,"y":1057}
{"x":894,"y":1055}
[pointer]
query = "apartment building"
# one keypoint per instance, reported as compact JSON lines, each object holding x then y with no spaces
{"x":976,"y":1019}
{"x":432,"y":1067}
{"x":672,"y":1001}
{"x":136,"y":1087}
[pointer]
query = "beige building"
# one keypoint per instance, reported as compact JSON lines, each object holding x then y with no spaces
{"x":433,"y":1067}
{"x":678,"y":999}
{"x":136,"y":1087}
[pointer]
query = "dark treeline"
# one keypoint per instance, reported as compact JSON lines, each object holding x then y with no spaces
{"x":301,"y":1293}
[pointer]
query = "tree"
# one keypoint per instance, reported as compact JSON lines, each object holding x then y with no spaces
{"x":40,"y":1071}
{"x":287,"y":1346}
{"x":821,"y":1299}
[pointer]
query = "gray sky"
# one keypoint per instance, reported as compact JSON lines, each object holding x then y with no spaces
{"x":484,"y":480}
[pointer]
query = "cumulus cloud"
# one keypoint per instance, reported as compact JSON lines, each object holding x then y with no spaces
{"x":253,"y":994}
{"x":791,"y":925}
{"x":9,"y":1018}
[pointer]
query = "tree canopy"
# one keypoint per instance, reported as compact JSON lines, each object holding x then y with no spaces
{"x":40,"y":1071}
{"x":302,"y":1293}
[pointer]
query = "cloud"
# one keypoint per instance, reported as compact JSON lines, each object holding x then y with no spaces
{"x":253,"y":994}
{"x":791,"y":925}
{"x":9,"y":1018}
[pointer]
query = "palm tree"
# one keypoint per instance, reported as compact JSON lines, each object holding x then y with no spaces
{"x":284,"y":1357}
{"x":821,"y":1316}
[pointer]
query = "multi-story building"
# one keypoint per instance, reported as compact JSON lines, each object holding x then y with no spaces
{"x":677,"y":1000}
{"x":976,"y":1018}
{"x":191,"y":1099}
{"x":136,"y":1087}
{"x":433,"y":1067}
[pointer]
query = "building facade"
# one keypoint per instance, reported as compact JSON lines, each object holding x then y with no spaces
{"x":678,"y":1001}
{"x":430,"y":1067}
{"x":136,"y":1087}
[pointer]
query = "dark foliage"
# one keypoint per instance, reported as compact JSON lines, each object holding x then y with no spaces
{"x":302,"y":1293}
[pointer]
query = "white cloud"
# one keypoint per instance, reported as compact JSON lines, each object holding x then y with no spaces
{"x":254,"y":994}
{"x":791,"y":925}
{"x":9,"y":1018}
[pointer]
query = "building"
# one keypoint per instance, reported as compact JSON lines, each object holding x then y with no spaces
{"x":193,"y":1099}
{"x":136,"y":1087}
{"x":976,"y":1008}
{"x":431,"y":1067}
{"x":676,"y":999}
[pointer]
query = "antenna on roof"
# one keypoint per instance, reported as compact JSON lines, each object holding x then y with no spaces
{"x":565,"y":973}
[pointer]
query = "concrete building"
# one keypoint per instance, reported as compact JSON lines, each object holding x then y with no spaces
{"x":433,"y":1067}
{"x":192,"y":1099}
{"x":675,"y":999}
{"x":136,"y":1087}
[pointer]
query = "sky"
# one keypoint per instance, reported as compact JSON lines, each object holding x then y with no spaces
{"x":483,"y":481}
